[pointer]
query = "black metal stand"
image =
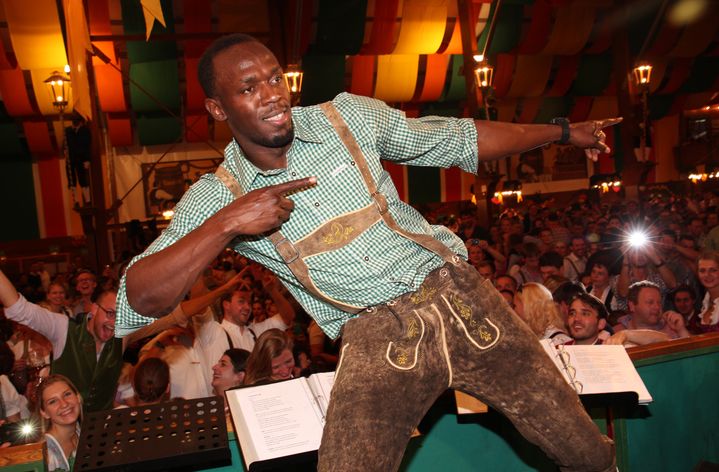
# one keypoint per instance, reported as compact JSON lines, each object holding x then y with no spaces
{"x":175,"y":435}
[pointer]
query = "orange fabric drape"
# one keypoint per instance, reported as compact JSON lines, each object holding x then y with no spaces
{"x":422,"y":27}
{"x":572,"y":27}
{"x":396,"y":77}
{"x":435,"y":77}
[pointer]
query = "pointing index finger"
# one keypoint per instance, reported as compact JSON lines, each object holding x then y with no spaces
{"x":610,"y":122}
{"x":293,"y":186}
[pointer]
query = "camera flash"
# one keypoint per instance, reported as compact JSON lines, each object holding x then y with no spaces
{"x":638,"y":239}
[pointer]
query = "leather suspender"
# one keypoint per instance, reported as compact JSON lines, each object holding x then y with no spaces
{"x":342,"y":230}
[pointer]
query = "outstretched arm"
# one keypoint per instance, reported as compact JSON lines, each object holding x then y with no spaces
{"x":178,"y":265}
{"x":181,"y":315}
{"x":499,"y":139}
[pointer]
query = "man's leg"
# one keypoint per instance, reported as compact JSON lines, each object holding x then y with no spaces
{"x":390,"y":373}
{"x":499,"y":360}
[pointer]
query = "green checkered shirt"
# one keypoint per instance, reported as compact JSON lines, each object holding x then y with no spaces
{"x":377,"y":266}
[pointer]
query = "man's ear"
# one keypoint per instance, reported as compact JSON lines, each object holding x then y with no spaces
{"x":215,"y":110}
{"x":602,"y":324}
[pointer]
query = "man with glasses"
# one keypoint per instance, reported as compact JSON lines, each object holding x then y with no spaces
{"x":75,"y":341}
{"x":85,"y":285}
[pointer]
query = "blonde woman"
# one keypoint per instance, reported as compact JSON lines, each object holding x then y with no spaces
{"x":60,"y":406}
{"x":533,"y":303}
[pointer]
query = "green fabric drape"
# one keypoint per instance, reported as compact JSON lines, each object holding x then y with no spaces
{"x":324,"y":77}
{"x":340,"y":26}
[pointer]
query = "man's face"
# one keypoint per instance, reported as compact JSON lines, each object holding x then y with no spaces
{"x":238,"y":308}
{"x":712,"y":220}
{"x":648,"y":309}
{"x":696,"y":227}
{"x":560,"y":247}
{"x":546,"y":237}
{"x":103,"y":317}
{"x":584,"y":322}
{"x":579,"y":247}
{"x":476,"y":254}
{"x":85,"y":284}
{"x":684,"y":303}
{"x":251,"y":95}
{"x":548,"y":271}
{"x":504,"y":283}
{"x":486,"y":272}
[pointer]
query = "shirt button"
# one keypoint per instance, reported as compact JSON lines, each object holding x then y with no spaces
{"x":317,"y":204}
{"x":294,"y":174}
{"x":366,"y":258}
{"x":352,"y":162}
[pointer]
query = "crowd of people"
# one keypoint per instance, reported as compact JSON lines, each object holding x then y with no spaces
{"x":574,"y":275}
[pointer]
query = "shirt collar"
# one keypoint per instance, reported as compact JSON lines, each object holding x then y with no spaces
{"x":246,"y":172}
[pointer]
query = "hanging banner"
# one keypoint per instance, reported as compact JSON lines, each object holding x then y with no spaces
{"x":396,"y":77}
{"x":422,"y":26}
{"x":363,"y":75}
{"x":530,"y":76}
{"x":537,"y":34}
{"x":434,"y":77}
{"x":78,"y":45}
{"x":35,"y":34}
{"x":571,"y":30}
{"x":14,"y":93}
{"x":384,"y":27}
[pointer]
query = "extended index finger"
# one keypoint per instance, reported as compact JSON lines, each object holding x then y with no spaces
{"x":293,"y":185}
{"x":610,"y":122}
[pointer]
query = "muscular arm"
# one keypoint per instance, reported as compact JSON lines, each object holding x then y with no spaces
{"x":499,"y":139}
{"x":178,"y":265}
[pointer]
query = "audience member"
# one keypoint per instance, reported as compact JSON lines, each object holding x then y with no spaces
{"x":60,"y":406}
{"x":645,"y":312}
{"x":600,"y":286}
{"x":55,"y":300}
{"x":229,"y":372}
{"x":527,"y":271}
{"x":708,"y":271}
{"x":85,"y":284}
{"x":271,"y":359}
{"x":550,"y":263}
{"x":151,"y":381}
{"x":506,"y":282}
{"x":576,"y":261}
{"x":487,"y":270}
{"x":534,"y":304}
{"x":683,"y":301}
{"x":587,"y":319}
{"x":563,"y":296}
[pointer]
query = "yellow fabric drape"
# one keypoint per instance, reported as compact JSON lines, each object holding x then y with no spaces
{"x":152,"y":9}
{"x":571,"y":30}
{"x":422,"y":27}
{"x":396,"y":77}
{"x":78,"y":42}
{"x":35,"y":34}
{"x":531,"y":74}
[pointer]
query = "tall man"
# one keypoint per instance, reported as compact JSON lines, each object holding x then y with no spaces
{"x":303,"y":192}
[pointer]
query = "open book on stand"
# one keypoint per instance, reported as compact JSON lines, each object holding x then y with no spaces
{"x":597,"y":369}
{"x":277,"y":422}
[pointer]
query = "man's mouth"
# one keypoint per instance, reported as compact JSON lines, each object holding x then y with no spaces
{"x":277,"y":117}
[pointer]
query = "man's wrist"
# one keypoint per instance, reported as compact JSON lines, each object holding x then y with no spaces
{"x":564,"y":124}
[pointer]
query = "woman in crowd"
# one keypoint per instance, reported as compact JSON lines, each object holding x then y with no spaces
{"x":60,"y":406}
{"x":708,"y":273}
{"x":534,"y":304}
{"x":600,"y":283}
{"x":55,"y":300}
{"x":229,"y":372}
{"x":151,"y":381}
{"x":271,"y":359}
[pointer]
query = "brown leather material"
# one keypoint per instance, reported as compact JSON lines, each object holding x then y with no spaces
{"x":338,"y":232}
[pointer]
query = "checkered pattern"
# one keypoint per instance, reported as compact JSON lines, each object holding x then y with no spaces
{"x":377,"y":266}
